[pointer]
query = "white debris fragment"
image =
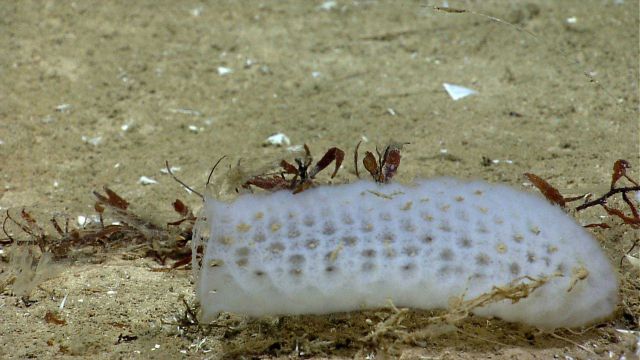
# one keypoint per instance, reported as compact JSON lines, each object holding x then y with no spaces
{"x":117,"y":165}
{"x":48,"y":119}
{"x":1,"y":142}
{"x":249,"y":63}
{"x":172,"y":168}
{"x":64,"y":301}
{"x":95,"y":141}
{"x":498,"y":161}
{"x":146,"y":181}
{"x":224,"y":70}
{"x":295,"y":148}
{"x":572,"y":20}
{"x":316,"y":74}
{"x":364,"y":138}
{"x":126,"y":126}
{"x":194,"y":129}
{"x":83,"y":221}
{"x":198,"y":344}
{"x":391,"y":112}
{"x":458,"y":92}
{"x":111,"y":292}
{"x":186,"y":111}
{"x":265,"y":69}
{"x":63,"y":107}
{"x":637,"y":345}
{"x":56,"y":183}
{"x":196,"y":11}
{"x":123,"y":76}
{"x":634,"y":261}
{"x":328,"y":5}
{"x":278,"y":139}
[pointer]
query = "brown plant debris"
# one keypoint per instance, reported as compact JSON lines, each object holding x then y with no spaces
{"x":549,"y":192}
{"x":619,"y":171}
{"x":127,"y":231}
{"x":52,"y":318}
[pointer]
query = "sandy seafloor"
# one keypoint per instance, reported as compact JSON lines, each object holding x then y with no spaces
{"x":95,"y":93}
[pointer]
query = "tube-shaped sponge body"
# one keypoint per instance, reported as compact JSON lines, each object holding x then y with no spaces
{"x":355,"y":246}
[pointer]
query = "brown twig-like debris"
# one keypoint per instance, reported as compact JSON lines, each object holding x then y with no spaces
{"x":459,"y":309}
{"x":551,"y":193}
{"x":159,"y":242}
{"x":619,"y":171}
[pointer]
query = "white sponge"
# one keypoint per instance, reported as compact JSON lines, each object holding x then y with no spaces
{"x":356,"y":246}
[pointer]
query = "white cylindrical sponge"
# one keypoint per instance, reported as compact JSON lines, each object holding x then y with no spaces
{"x":355,"y":246}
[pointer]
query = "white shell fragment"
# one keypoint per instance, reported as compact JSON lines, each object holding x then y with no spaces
{"x":458,"y":92}
{"x":328,"y":5}
{"x":63,"y":302}
{"x":224,"y":70}
{"x":146,"y":181}
{"x":173,"y":169}
{"x":278,"y":139}
{"x":196,"y":11}
{"x":83,"y":221}
{"x":295,"y":148}
{"x":63,"y":107}
{"x":195,"y":129}
{"x":634,"y":261}
{"x":95,"y":141}
{"x":126,"y":126}
{"x":186,"y":111}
